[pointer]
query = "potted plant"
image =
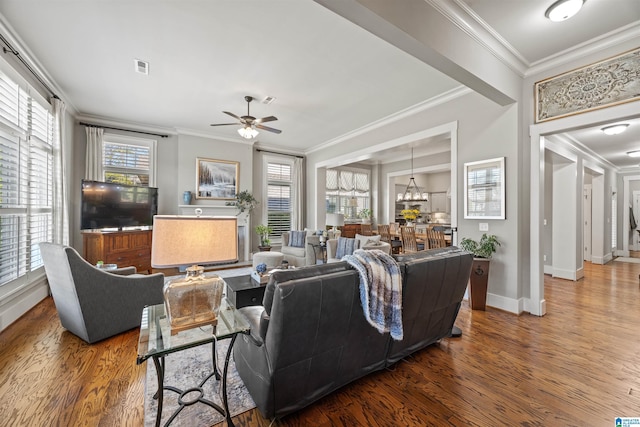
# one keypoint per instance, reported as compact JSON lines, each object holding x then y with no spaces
{"x":366,"y":215}
{"x":244,"y":202}
{"x":263,"y":231}
{"x":482,"y":251}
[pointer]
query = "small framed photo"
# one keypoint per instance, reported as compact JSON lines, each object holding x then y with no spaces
{"x":484,"y":189}
{"x":216,"y":179}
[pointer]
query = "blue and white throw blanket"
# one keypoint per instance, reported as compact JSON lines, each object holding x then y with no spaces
{"x":380,"y":289}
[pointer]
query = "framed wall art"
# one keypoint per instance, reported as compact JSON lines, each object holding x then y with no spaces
{"x":484,"y":189}
{"x":216,"y":179}
{"x":603,"y":84}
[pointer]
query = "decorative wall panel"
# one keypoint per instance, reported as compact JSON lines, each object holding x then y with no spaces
{"x":603,"y":84}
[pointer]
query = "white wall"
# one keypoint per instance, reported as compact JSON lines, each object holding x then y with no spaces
{"x":485,"y":131}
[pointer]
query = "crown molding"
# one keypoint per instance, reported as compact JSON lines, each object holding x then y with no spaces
{"x":459,"y":13}
{"x":16,"y":42}
{"x":407,"y":112}
{"x":611,"y":39}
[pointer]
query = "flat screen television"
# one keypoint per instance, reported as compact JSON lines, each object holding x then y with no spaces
{"x":110,"y":205}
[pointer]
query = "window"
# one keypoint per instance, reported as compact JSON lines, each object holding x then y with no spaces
{"x":347,"y":191}
{"x":128,"y":160}
{"x":279,"y":192}
{"x":26,"y":179}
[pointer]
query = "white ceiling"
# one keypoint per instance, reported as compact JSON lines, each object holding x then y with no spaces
{"x":329,"y":76}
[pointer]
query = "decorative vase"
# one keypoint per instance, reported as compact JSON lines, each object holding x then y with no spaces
{"x":478,"y":283}
{"x":186,"y":197}
{"x":409,"y":223}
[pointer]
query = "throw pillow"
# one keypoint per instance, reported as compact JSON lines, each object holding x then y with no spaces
{"x":364,"y":239}
{"x":346,"y":246}
{"x":297,"y":239}
{"x":371,"y":242}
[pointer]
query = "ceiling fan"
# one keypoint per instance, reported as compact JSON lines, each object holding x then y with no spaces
{"x":249,"y":123}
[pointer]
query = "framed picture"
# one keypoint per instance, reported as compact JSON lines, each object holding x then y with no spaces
{"x":484,"y":189}
{"x":216,"y":179}
{"x":602,"y":84}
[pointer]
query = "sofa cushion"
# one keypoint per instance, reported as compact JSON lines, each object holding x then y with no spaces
{"x":280,"y":276}
{"x":297,"y":239}
{"x":346,"y":246}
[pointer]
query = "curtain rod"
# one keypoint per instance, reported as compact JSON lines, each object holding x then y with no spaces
{"x":10,"y":49}
{"x":125,"y":130}
{"x":282,"y":154}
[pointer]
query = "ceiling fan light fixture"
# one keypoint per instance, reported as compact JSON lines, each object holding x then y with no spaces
{"x":562,"y":10}
{"x":615,"y":129}
{"x":248,"y":132}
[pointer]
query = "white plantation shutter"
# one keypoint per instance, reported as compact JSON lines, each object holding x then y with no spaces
{"x":128,"y":160}
{"x":279,"y":193}
{"x":26,"y":159}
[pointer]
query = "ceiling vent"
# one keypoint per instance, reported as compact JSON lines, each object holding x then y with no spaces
{"x":268,"y":99}
{"x":142,"y":67}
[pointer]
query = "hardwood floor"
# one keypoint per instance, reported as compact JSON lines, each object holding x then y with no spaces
{"x":577,"y":366}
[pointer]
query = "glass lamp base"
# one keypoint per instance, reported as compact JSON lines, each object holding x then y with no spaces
{"x":193,"y":300}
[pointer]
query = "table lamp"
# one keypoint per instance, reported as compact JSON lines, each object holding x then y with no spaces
{"x":178,"y":241}
{"x":335,"y":220}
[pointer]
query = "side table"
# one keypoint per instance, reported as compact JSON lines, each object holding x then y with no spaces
{"x":323,"y":252}
{"x":156,"y":342}
{"x":243,"y":291}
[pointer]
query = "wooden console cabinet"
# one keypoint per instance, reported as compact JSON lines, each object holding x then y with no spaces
{"x":124,"y":248}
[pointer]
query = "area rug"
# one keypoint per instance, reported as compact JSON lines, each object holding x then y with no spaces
{"x":186,"y":369}
{"x":626,"y":259}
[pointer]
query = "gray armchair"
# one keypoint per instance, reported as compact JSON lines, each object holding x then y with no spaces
{"x":96,"y":304}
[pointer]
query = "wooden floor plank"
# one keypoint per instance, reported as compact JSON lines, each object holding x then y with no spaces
{"x":578,"y":365}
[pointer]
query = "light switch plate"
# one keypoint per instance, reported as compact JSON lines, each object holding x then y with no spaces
{"x":484,"y":226}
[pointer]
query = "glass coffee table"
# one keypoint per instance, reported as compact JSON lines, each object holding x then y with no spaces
{"x":156,"y":342}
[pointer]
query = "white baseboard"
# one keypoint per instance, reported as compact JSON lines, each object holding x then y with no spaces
{"x":13,"y":307}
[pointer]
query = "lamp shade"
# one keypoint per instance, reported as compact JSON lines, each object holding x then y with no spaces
{"x":194,"y":300}
{"x":188,"y":240}
{"x":335,"y":219}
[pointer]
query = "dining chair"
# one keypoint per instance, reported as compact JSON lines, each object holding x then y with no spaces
{"x":435,"y":239}
{"x":409,"y":241}
{"x":384,"y":230}
{"x":365,"y":230}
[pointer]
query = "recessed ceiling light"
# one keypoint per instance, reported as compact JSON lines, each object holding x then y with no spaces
{"x":615,"y":129}
{"x":634,"y":153}
{"x":563,"y":9}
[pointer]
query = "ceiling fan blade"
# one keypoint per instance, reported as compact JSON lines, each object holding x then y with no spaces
{"x":224,"y":124}
{"x":232,"y":115}
{"x":266,"y":119}
{"x":259,"y":126}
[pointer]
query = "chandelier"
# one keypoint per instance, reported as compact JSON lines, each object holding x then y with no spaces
{"x":412,"y":193}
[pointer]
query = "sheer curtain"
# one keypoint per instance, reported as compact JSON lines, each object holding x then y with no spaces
{"x":94,"y":168}
{"x":297,"y":217}
{"x":60,"y":196}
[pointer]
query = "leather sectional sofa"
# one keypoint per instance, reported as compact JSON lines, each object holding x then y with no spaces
{"x":310,"y":336}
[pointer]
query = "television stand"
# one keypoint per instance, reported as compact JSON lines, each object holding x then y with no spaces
{"x":125,"y":248}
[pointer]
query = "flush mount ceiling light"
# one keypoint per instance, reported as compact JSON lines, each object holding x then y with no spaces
{"x":634,"y":153}
{"x":615,"y":129}
{"x":563,"y":9}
